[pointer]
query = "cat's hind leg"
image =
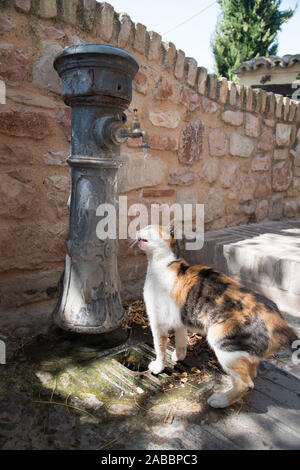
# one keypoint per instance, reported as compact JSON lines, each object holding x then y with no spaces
{"x":180,"y":344}
{"x":242,"y":369}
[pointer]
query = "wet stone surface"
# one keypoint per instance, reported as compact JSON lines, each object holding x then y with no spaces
{"x":65,"y":391}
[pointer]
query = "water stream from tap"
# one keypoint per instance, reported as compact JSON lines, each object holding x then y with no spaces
{"x":145,"y":155}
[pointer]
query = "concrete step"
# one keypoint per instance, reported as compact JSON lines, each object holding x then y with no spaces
{"x":264,"y":257}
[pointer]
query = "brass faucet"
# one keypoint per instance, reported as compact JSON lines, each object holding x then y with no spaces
{"x":121,"y":133}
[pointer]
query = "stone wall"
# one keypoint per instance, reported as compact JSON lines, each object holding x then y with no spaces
{"x":235,"y":149}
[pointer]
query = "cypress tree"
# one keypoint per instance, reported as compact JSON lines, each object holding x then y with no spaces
{"x":246,"y":29}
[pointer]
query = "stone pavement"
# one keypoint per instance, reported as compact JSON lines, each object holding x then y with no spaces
{"x":64,"y":391}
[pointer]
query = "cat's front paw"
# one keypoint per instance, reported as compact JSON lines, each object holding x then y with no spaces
{"x":218,"y":400}
{"x":156,"y":367}
{"x":178,"y":355}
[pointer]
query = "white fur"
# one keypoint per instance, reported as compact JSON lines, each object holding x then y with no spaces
{"x":162,"y":311}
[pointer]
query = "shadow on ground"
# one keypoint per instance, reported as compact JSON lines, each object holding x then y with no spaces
{"x":63,"y":391}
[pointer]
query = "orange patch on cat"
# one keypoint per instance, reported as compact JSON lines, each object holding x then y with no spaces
{"x":183,"y":283}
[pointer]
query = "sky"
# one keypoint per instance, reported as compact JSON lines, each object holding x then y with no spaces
{"x":194,"y":36}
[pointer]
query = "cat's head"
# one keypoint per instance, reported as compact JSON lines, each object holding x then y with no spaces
{"x":155,"y":238}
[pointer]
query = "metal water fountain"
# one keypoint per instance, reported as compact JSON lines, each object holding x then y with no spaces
{"x":97,"y":84}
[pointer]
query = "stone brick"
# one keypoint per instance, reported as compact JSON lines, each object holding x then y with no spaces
{"x":283,"y":135}
{"x":29,"y":287}
{"x":191,"y":71}
{"x":5,"y":26}
{"x":33,"y":252}
{"x":209,"y":106}
{"x":202,"y":80}
{"x":63,"y":119}
{"x":297,"y":171}
{"x":105,"y":22}
{"x":279,"y":104}
{"x":44,"y":75}
{"x":189,"y":99}
{"x":240,"y":89}
{"x":267,"y":140}
{"x":263,"y":187}
{"x":262,"y":210}
{"x":154,"y":52}
{"x":245,"y":188}
{"x":162,"y":142}
{"x":88,"y":13}
{"x":222,"y":90}
{"x":140,"y":37}
{"x":24,"y":124}
{"x":169,"y":54}
{"x":282,"y":176}
{"x":138,"y":172}
{"x":187,"y":196}
{"x":263,"y":101}
{"x":169,"y":119}
{"x":276,"y":208}
{"x":23,"y":5}
{"x":281,"y":154}
{"x":179,"y":65}
{"x":58,"y":158}
{"x":270,"y":106}
{"x":57,"y":188}
{"x":257,"y":99}
{"x":218,"y":145}
{"x":247,"y":208}
{"x":163,"y":90}
{"x":30,"y":99}
{"x":212,"y":85}
{"x":296,"y":154}
{"x":232,"y":93}
{"x":214,"y":205}
{"x":294,"y":189}
{"x":228,"y":174}
{"x":240,"y":146}
{"x":249,"y":98}
{"x":182,"y":176}
{"x":269,"y":122}
{"x":15,"y":155}
{"x":16,"y":198}
{"x":292,"y":111}
{"x":47,"y":32}
{"x":13,"y":64}
{"x":158,"y":192}
{"x":252,"y":126}
{"x":126,"y":33}
{"x":261,"y":163}
{"x":286,"y":107}
{"x":210,"y":170}
{"x":234,"y":118}
{"x":156,"y":142}
{"x":290,"y":208}
{"x":140,"y":83}
{"x":191,"y":141}
{"x":68,"y":11}
{"x":46,"y":8}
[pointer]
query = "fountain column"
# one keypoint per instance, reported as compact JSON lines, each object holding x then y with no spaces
{"x":97,"y":84}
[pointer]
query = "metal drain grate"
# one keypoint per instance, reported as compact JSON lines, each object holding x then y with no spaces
{"x":131,"y":382}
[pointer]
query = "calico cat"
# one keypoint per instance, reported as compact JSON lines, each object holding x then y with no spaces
{"x":242,"y":327}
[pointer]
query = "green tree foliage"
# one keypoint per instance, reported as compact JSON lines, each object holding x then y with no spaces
{"x":246,"y":29}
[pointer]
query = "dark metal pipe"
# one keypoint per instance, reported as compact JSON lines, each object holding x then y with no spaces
{"x":97,"y":84}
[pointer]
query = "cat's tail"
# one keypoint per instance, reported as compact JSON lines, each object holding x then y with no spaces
{"x":287,"y":337}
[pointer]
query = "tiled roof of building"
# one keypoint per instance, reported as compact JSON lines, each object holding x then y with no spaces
{"x":269,"y":62}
